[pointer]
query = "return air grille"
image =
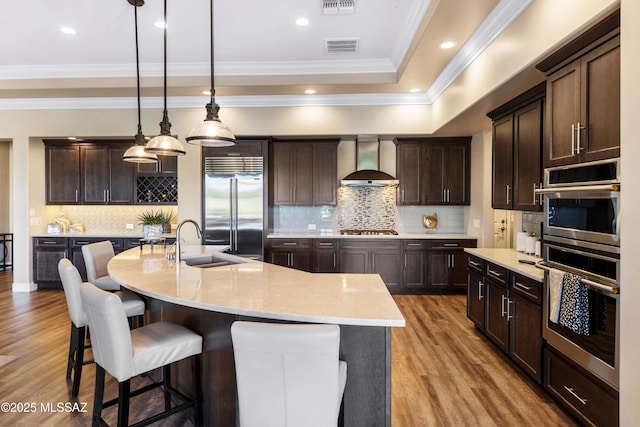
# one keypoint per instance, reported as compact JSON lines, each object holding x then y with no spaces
{"x":341,"y":45}
{"x":341,"y":7}
{"x":233,"y":165}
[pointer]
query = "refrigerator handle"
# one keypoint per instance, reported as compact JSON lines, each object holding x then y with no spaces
{"x":231,"y":196}
{"x":235,"y":227}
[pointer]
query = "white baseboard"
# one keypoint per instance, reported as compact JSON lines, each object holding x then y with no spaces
{"x":24,"y":287}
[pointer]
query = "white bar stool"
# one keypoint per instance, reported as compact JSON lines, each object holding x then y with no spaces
{"x":125,"y":354}
{"x":71,"y":282}
{"x":288,"y":374}
{"x":96,"y":257}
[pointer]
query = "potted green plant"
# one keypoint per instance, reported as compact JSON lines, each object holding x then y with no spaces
{"x":151,"y":222}
{"x":167,"y":219}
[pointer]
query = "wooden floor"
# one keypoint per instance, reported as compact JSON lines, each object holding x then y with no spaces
{"x":444,"y":372}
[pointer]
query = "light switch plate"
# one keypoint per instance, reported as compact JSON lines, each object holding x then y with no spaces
{"x":129,"y":226}
{"x":311,"y":226}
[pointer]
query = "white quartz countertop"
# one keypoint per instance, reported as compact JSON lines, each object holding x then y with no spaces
{"x":99,"y":234}
{"x":509,"y":258}
{"x":337,"y":235}
{"x":258,"y":289}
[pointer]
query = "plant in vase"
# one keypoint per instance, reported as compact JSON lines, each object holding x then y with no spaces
{"x":167,"y":219}
{"x":152,"y":224}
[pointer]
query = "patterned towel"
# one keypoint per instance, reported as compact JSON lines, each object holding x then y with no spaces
{"x":555,"y":293}
{"x":574,"y":306}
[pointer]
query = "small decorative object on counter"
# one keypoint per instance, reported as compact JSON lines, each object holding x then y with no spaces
{"x":430,"y":222}
{"x":153,"y":223}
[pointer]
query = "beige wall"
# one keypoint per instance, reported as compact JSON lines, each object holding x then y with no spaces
{"x":5,"y":187}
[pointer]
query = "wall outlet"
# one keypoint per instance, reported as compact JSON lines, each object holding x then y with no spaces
{"x":128,"y":226}
{"x":476,"y":223}
{"x":311,"y":226}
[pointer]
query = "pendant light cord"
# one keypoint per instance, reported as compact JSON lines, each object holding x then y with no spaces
{"x":213,"y":92}
{"x":165,"y":126}
{"x":135,"y":9}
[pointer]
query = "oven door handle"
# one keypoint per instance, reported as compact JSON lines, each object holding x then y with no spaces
{"x":613,"y":290}
{"x":579,"y":188}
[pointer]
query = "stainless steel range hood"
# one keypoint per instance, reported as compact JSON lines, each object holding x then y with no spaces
{"x":368,"y":171}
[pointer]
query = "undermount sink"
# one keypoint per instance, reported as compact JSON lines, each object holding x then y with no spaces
{"x":208,"y":261}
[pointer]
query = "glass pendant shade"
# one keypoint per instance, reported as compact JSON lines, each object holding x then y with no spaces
{"x":165,"y":145}
{"x":136,"y":154}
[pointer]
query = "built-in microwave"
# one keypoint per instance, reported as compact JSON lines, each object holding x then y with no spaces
{"x":582,"y":202}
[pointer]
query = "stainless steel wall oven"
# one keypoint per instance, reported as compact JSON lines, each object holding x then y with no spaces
{"x":581,"y":235}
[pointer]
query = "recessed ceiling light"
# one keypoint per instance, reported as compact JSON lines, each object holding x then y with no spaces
{"x":160,"y":24}
{"x":68,"y":30}
{"x":206,"y":92}
{"x":71,"y":138}
{"x":447,"y":45}
{"x":310,"y":91}
{"x":414,"y":90}
{"x":302,"y":21}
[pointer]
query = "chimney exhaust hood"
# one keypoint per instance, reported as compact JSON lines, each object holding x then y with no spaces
{"x":367,"y":166}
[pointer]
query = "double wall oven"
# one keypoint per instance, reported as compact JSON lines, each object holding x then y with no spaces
{"x":581,"y":235}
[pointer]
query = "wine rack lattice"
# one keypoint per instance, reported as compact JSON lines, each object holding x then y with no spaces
{"x":157,"y":189}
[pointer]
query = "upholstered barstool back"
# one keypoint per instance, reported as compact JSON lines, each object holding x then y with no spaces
{"x":96,"y":257}
{"x":125,"y":354}
{"x":288,"y":375}
{"x":71,"y":282}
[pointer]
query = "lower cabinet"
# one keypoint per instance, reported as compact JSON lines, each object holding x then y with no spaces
{"x":446,"y":265}
{"x":325,"y":256}
{"x":75,"y":250}
{"x":506,"y":306}
{"x":414,"y":266}
{"x":590,"y":400}
{"x":373,"y":257}
{"x":292,"y":253}
{"x":47,"y":252}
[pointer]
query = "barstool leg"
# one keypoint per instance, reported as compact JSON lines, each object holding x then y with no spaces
{"x":79,"y":359}
{"x":166,"y":379}
{"x":73,"y":339}
{"x":124,"y":395}
{"x":197,"y":366}
{"x":98,"y":396}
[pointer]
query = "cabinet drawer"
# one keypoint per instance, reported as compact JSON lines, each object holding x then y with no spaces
{"x":475,"y":263}
{"x":528,"y":288}
{"x":449,"y":244}
{"x":582,"y":394}
{"x":290,"y":243}
{"x":325,"y":244}
{"x":497,"y":273}
{"x":51,"y":242}
{"x":369,"y":244}
{"x":79,"y":242}
{"x":414,"y":245}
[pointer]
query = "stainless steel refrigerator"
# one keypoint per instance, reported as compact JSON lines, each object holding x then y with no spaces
{"x":233,"y":204}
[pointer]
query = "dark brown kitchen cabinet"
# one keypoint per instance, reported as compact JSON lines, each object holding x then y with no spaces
{"x":476,"y":291}
{"x":517,"y":151}
{"x":106,"y":178}
{"x":373,"y":257}
{"x":498,"y":307}
{"x":415,"y":266}
{"x":165,"y":164}
{"x":447,"y":265}
{"x":325,"y":256}
{"x":525,"y":325}
{"x":62,"y":169}
{"x":583,"y":100}
{"x":75,"y":251}
{"x":304,"y":173}
{"x":47,"y":252}
{"x":433,"y":171}
{"x":292,"y":253}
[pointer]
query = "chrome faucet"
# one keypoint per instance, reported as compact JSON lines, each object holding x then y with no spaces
{"x":183,"y":222}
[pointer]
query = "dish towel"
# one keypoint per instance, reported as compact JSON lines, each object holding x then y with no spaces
{"x":555,"y":293}
{"x":574,"y":305}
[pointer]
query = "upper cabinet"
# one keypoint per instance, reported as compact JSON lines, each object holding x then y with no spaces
{"x":304,"y":173}
{"x":583,"y":97}
{"x":106,"y":178}
{"x":433,"y":171}
{"x":62,"y":169}
{"x":517,"y":151}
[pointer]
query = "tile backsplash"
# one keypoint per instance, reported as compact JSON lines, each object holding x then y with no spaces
{"x":105,"y":218}
{"x":367,"y":208}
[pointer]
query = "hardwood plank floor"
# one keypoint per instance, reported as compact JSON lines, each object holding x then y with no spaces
{"x":444,"y":372}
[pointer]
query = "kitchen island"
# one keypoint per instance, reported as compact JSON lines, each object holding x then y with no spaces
{"x":209,"y":300}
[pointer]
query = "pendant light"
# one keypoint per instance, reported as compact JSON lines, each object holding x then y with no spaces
{"x":136,"y":153}
{"x":165,"y":144}
{"x":212,"y":132}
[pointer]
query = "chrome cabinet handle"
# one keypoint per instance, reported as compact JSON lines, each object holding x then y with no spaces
{"x":522,"y":286}
{"x":451,"y":245}
{"x":290,"y":244}
{"x":574,"y":394}
{"x":509,"y":302}
{"x":502,"y":309}
{"x":325,"y":244}
{"x":508,"y":190}
{"x":480,"y":285}
{"x":494,"y":273}
{"x":405,"y":260}
{"x":414,"y":244}
{"x":578,"y":129}
{"x":475,"y":264}
{"x":573,"y":139}
{"x":334,"y":260}
{"x":76,"y":195}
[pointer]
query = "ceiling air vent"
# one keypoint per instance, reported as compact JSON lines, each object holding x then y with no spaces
{"x":341,"y":45}
{"x":340,"y":7}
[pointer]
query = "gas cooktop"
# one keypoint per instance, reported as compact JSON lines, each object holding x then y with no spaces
{"x":368,"y":232}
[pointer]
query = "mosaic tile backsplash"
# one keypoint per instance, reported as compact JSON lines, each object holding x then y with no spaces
{"x":367,"y":208}
{"x":105,"y":218}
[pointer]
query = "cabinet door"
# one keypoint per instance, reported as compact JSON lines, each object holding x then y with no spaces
{"x":282,"y":172}
{"x":458,"y":270}
{"x":63,"y":175}
{"x":95,"y":174}
{"x":302,"y":176}
{"x":562,"y":115}
{"x":438,"y":270}
{"x":415,"y":270}
{"x":409,"y":170}
{"x":301,"y":260}
{"x":354,"y":261}
{"x":600,"y":139}
{"x":279,"y":257}
{"x":496,"y":321}
{"x":475,"y":298}
{"x":326,"y":261}
{"x":456,"y":174}
{"x":120,"y":178}
{"x":527,"y":174}
{"x":325,"y":174}
{"x":502,"y":187}
{"x":525,"y":335}
{"x":386,"y":263}
{"x":433,"y":174}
